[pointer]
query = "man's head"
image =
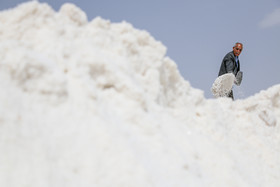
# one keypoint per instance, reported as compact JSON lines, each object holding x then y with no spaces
{"x":237,"y":48}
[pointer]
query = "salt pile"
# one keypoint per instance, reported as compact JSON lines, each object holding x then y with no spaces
{"x":99,"y":104}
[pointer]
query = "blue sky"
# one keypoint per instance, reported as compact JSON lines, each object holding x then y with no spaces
{"x":198,"y":34}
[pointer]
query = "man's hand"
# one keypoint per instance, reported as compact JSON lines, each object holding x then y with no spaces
{"x":238,"y":78}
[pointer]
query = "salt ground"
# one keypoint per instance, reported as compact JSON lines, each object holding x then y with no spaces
{"x":95,"y":103}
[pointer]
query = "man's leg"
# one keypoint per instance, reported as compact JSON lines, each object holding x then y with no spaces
{"x":231,"y":95}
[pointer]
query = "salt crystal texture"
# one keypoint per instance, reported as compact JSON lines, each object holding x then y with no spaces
{"x":223,"y":85}
{"x":99,"y":104}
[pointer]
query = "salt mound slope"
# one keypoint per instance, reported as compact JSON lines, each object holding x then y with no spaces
{"x":98,"y":104}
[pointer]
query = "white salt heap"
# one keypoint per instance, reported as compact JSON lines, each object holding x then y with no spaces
{"x":98,"y":104}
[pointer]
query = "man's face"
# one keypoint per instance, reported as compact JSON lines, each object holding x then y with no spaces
{"x":237,"y":49}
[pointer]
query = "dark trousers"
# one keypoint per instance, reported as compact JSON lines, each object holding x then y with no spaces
{"x":231,"y":95}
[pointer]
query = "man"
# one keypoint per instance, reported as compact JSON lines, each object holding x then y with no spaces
{"x":230,"y":64}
